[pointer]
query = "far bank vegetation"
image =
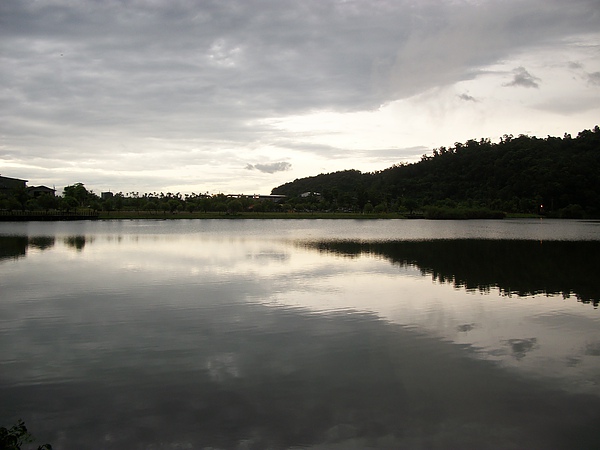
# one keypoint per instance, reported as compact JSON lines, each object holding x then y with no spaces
{"x":553,"y":176}
{"x":556,"y":177}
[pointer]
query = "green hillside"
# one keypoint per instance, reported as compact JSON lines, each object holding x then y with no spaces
{"x":555,"y":176}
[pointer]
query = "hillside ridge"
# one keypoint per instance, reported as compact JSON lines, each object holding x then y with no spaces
{"x":524,"y":174}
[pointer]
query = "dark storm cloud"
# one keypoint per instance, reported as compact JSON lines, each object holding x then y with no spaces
{"x":521,"y":77}
{"x":189,"y":64}
{"x":186,"y":64}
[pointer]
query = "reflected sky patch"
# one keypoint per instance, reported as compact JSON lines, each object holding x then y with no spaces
{"x":235,"y":341}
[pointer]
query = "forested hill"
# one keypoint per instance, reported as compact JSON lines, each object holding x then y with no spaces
{"x":556,"y":176}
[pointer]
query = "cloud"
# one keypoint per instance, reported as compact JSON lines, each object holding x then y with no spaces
{"x":448,"y":42}
{"x":270,"y":167}
{"x":186,"y":81}
{"x":594,"y":78}
{"x":467,"y":98}
{"x":521,"y":77}
{"x":574,"y":65}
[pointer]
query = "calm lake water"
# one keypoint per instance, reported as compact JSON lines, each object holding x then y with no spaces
{"x":302,"y":334}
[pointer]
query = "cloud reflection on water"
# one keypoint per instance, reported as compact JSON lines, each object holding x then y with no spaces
{"x":244,"y":375}
{"x":245,"y":342}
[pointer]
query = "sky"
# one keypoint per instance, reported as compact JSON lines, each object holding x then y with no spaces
{"x":241,"y":96}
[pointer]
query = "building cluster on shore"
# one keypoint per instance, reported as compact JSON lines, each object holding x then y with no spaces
{"x":9,"y":185}
{"x":17,"y":199}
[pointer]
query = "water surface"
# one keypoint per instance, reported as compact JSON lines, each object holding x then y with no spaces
{"x":302,"y":334}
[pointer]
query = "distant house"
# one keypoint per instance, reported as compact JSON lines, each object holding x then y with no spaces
{"x":8,"y":184}
{"x":273,"y":198}
{"x":106,"y":195}
{"x":36,"y":191}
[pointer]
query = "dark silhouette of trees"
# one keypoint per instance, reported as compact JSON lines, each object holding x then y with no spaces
{"x":555,"y":176}
{"x":234,"y":206}
{"x":15,"y":437}
{"x":47,"y":202}
{"x":78,"y":192}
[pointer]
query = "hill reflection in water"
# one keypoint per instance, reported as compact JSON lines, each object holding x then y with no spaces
{"x":515,"y":267}
{"x":233,"y":337}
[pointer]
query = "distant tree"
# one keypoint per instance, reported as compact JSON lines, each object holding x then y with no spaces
{"x":108,"y":205}
{"x":220,"y":206}
{"x":95,"y":205}
{"x":234,"y":206}
{"x":173,"y":205}
{"x":119,"y":201}
{"x":204,"y":204}
{"x":151,"y":205}
{"x":32,"y":205}
{"x":410,"y":204}
{"x":268,"y":205}
{"x":21,"y":197}
{"x":572,"y":212}
{"x":78,"y":192}
{"x":381,"y":208}
{"x":134,"y":201}
{"x":258,"y":207}
{"x":368,"y":208}
{"x":13,"y":204}
{"x":47,"y":201}
{"x":68,"y":203}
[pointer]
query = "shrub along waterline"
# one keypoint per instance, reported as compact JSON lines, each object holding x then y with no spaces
{"x":435,"y":212}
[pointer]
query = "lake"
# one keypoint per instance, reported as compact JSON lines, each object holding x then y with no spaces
{"x":320,"y":334}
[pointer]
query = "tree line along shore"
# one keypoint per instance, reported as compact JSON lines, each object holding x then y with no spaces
{"x":518,"y":176}
{"x":556,"y":177}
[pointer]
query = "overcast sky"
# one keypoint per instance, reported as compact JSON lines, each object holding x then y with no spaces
{"x":240,"y":96}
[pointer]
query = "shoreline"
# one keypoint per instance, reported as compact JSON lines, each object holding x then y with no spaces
{"x":142,"y":215}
